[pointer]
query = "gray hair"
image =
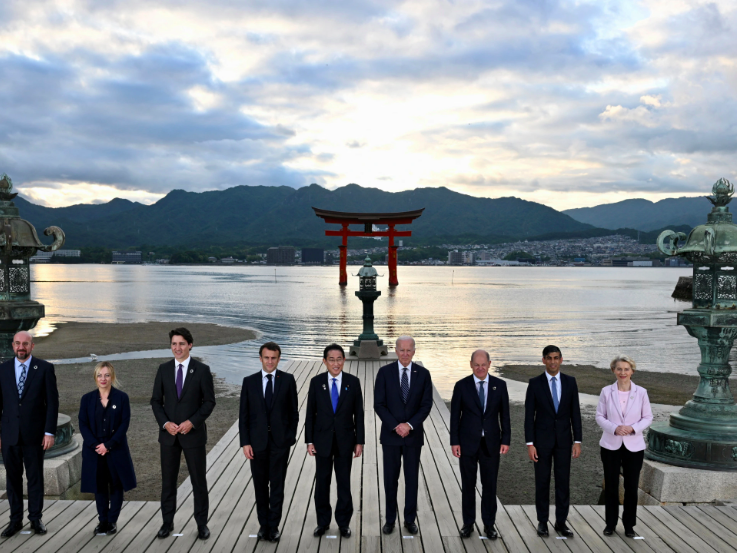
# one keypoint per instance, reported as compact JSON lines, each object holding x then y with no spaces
{"x":403,"y":339}
{"x":472,"y":358}
{"x":625,"y":359}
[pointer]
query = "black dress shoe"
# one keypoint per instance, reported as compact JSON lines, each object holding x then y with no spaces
{"x":203,"y":532}
{"x":274,"y":535}
{"x":263,"y":533}
{"x":629,"y":532}
{"x":320,"y":530}
{"x":345,"y":532}
{"x":542,"y":529}
{"x":388,"y":528}
{"x":38,"y":527}
{"x":490,"y":532}
{"x":112,"y":529}
{"x":101,"y":528}
{"x":466,"y":530}
{"x":165,"y":530}
{"x":411,"y":527}
{"x":12,"y":529}
{"x":608,"y":530}
{"x":561,"y":527}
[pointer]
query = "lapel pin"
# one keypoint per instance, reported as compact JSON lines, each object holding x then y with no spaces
{"x":191,"y":371}
{"x":35,"y":367}
{"x":494,"y":388}
{"x":324,"y":386}
{"x":113,"y":406}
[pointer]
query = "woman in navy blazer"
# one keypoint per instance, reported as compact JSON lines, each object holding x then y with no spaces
{"x":623,"y":413}
{"x":107,"y":468}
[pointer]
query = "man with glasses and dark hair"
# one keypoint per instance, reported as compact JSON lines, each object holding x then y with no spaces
{"x":334,"y":432}
{"x":268,"y":425}
{"x":29,"y":405}
{"x":552,"y":418}
{"x":403,"y":400}
{"x":182,"y":400}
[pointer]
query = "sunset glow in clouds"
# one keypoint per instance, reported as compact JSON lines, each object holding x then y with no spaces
{"x":602,"y":100}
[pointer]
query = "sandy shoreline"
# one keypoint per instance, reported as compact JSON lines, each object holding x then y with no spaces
{"x":74,"y":339}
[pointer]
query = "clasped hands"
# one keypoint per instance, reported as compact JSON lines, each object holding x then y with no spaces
{"x":175,"y":429}
{"x":403,"y":429}
{"x":623,"y":430}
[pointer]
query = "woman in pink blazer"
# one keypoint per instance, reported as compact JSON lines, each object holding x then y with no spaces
{"x":624,"y":414}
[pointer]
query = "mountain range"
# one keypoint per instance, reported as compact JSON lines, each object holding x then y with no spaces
{"x":271,"y":215}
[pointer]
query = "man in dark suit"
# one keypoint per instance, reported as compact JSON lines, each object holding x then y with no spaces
{"x":182,"y":400}
{"x":334,"y":432}
{"x":403,"y":400}
{"x":552,"y":417}
{"x":29,"y":406}
{"x":480,"y":432}
{"x":268,"y":425}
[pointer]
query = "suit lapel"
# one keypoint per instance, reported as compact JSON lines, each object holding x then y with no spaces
{"x":475,"y":395}
{"x":31,"y":370}
{"x":617,"y":401}
{"x":548,"y":392}
{"x":491,"y":390}
{"x":414,"y":375}
{"x":343,"y":392}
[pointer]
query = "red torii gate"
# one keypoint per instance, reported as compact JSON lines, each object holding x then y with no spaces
{"x":368,"y":219}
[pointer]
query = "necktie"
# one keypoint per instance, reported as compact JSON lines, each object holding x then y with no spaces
{"x":178,"y":382}
{"x":334,"y":395}
{"x":554,"y":394}
{"x":404,"y":386}
{"x":22,"y":380}
{"x":269,"y":392}
{"x":481,"y":393}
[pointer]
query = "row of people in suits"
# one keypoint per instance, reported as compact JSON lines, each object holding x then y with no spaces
{"x":183,"y":398}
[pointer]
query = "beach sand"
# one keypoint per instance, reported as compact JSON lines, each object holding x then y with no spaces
{"x":73,"y":339}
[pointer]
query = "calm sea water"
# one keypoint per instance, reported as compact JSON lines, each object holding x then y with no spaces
{"x":592,"y":314}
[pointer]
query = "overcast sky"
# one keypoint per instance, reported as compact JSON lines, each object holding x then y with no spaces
{"x":569,"y":104}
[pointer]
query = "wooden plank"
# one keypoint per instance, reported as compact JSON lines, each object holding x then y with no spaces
{"x":553,"y":544}
{"x":728,"y":510}
{"x":233,"y":529}
{"x":92,"y":543}
{"x":651,"y":540}
{"x":51,"y":511}
{"x":715,"y":535}
{"x":122,"y":539}
{"x":617,"y":542}
{"x":526,"y":530}
{"x":680,"y":530}
{"x":718,"y":516}
{"x":300,"y":520}
{"x":85,"y":513}
{"x":430,"y":537}
{"x":648,"y":523}
{"x":594,"y":538}
{"x":576,"y":544}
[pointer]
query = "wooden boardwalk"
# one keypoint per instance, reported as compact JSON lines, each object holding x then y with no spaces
{"x":233,"y":523}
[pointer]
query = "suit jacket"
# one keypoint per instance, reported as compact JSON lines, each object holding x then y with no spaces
{"x":257,"y":423}
{"x":35,"y":412}
{"x":196,"y":404}
{"x":118,"y":456}
{"x":321,"y":423}
{"x":545,"y":428}
{"x":468,"y":419}
{"x":638,"y":415}
{"x":392,"y":411}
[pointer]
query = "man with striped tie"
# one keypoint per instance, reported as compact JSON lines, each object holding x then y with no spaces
{"x":29,"y":406}
{"x":403,"y":400}
{"x":183,"y":398}
{"x":334,"y":432}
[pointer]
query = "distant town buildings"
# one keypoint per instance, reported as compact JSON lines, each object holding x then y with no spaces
{"x":126,"y":258}
{"x":45,"y":257}
{"x":312,"y":256}
{"x":282,"y":255}
{"x":455,"y":258}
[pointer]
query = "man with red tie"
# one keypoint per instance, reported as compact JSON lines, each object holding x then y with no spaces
{"x":182,"y":400}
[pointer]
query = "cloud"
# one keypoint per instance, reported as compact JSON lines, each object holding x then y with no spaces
{"x":489,"y":97}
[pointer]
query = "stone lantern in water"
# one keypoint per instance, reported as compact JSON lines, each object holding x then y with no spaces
{"x":703,"y":433}
{"x":368,"y":345}
{"x":18,"y":243}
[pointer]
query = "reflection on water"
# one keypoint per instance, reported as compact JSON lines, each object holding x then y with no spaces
{"x":591,"y":313}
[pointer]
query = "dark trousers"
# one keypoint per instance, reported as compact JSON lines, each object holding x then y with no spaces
{"x":342,"y":466}
{"x":268,"y":469}
{"x":196,"y":466}
{"x":631,"y":461}
{"x":109,"y":495}
{"x":489,"y":478}
{"x":392,"y":457}
{"x":15,"y":457}
{"x":561,"y":456}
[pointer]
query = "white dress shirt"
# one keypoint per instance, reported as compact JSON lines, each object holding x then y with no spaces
{"x":331,"y":381}
{"x":264,"y":381}
{"x":185,"y":364}
{"x":559,"y":391}
{"x":485,"y":388}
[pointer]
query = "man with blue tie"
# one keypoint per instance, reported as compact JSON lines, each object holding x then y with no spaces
{"x":480,"y":432}
{"x":334,"y":434}
{"x":552,"y":418}
{"x":403,"y":400}
{"x":29,"y":407}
